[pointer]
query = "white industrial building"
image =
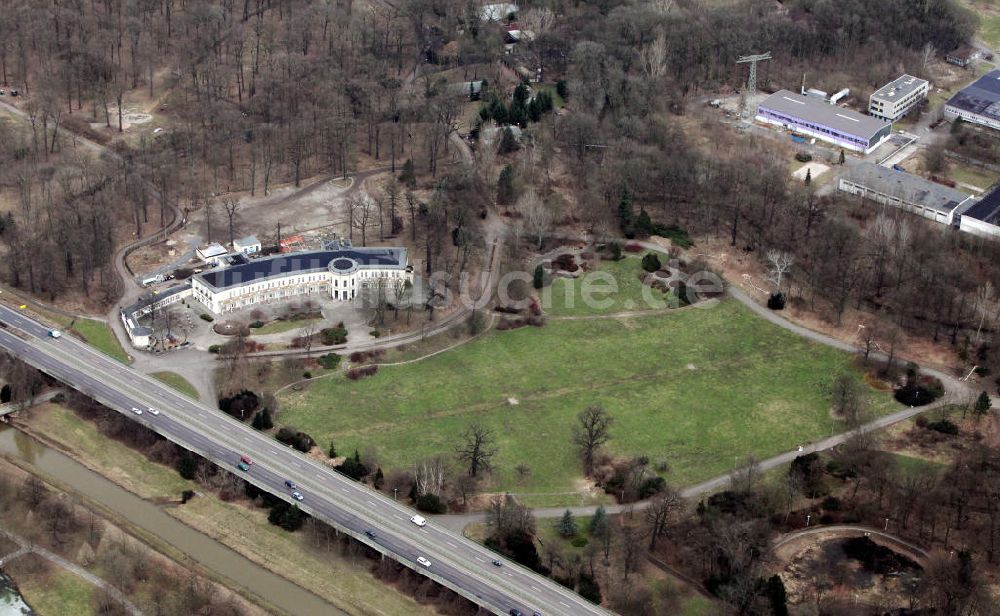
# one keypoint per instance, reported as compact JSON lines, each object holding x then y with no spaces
{"x":983,"y":218}
{"x":815,"y":117}
{"x":340,"y":273}
{"x":979,"y":102}
{"x":248,"y":245}
{"x":906,"y":191}
{"x":211,"y":253}
{"x":896,"y":98}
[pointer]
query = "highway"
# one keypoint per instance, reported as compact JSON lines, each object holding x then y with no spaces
{"x":456,"y":562}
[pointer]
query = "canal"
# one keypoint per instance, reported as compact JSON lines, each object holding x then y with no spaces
{"x":214,"y":556}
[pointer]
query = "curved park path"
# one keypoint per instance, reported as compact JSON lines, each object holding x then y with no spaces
{"x":954,"y":389}
{"x":837,"y":531}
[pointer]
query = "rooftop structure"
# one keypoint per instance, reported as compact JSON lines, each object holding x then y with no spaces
{"x":211,"y":252}
{"x":247,"y":245}
{"x":983,"y":218}
{"x":842,"y":127}
{"x":963,"y":55}
{"x":978,"y":102}
{"x":905,"y":191}
{"x":341,"y":273}
{"x":896,"y":98}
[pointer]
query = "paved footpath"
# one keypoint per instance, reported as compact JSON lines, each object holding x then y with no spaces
{"x":26,"y":547}
{"x":955,"y":389}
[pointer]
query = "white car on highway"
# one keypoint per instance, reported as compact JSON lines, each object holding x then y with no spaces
{"x":419,"y":520}
{"x":153,"y":411}
{"x":137,"y":411}
{"x":423,"y":561}
{"x":297,"y":496}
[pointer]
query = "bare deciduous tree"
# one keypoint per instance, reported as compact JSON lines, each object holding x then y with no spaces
{"x":477,"y":449}
{"x":537,"y":216}
{"x":660,"y":512}
{"x":591,"y":431}
{"x":780,"y":262}
{"x":232,"y":206}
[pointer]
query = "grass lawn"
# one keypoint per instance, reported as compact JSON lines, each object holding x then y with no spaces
{"x":117,"y":462}
{"x":343,"y":581}
{"x":617,"y":289}
{"x":912,"y":465}
{"x":693,"y":387}
{"x":99,"y":336}
{"x":57,"y":592}
{"x":973,"y":176}
{"x":988,"y":13}
{"x":177,"y":382}
{"x":281,"y":326}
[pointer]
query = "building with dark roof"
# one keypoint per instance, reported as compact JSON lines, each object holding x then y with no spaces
{"x":342,"y":273}
{"x":963,"y":55}
{"x":905,"y":191}
{"x":983,"y":218}
{"x":811,"y":116}
{"x":978,"y":102}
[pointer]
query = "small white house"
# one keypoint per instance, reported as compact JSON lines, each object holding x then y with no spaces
{"x":248,"y":245}
{"x":211,"y":253}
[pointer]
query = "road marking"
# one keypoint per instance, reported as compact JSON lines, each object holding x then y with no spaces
{"x":372,"y":503}
{"x":564,"y":603}
{"x":452,"y":545}
{"x":535,"y":588}
{"x":318,"y":476}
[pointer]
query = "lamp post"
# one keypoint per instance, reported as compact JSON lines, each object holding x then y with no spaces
{"x":395,"y":491}
{"x":887,"y":525}
{"x":808,"y":518}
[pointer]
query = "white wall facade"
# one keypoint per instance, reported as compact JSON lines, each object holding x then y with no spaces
{"x":891,"y":108}
{"x":978,"y":227}
{"x":852,"y":188}
{"x":339,"y":286}
{"x":951,"y":113}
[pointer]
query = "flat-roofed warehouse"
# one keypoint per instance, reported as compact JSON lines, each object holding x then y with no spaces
{"x":983,"y":218}
{"x":905,"y":191}
{"x":809,"y":116}
{"x":978,"y":102}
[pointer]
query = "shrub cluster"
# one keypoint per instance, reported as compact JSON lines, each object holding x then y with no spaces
{"x":361,"y":372}
{"x":431,"y":503}
{"x":330,"y":361}
{"x":565,"y":262}
{"x":944,"y":426}
{"x":334,"y":335}
{"x":919,"y":390}
{"x":353,"y":467}
{"x":240,"y":405}
{"x":299,"y":440}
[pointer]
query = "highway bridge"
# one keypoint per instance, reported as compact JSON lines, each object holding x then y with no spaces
{"x":352,"y":508}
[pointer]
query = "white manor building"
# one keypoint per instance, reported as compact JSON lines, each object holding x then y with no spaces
{"x":341,"y":273}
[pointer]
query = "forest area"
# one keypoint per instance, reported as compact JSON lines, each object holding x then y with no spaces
{"x":269,"y":91}
{"x":259,"y":94}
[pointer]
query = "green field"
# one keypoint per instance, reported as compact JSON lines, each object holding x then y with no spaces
{"x":280,"y":326}
{"x":694,"y":388}
{"x":177,"y":382}
{"x":59,"y":592}
{"x":615,"y":287}
{"x":100,"y":336}
{"x":989,"y":20}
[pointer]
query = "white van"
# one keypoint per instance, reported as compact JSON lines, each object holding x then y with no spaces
{"x":419,"y":520}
